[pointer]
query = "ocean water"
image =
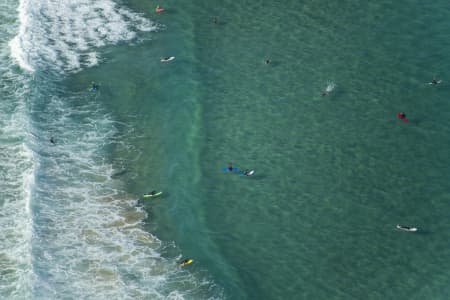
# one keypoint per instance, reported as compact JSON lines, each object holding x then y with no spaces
{"x":333,"y":176}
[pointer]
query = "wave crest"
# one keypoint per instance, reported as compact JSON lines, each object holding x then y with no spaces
{"x":63,"y":35}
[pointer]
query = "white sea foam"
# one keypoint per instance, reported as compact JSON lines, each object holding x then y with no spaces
{"x":16,"y":182}
{"x":68,"y":228}
{"x":64,"y":35}
{"x":88,"y":238}
{"x":330,"y":87}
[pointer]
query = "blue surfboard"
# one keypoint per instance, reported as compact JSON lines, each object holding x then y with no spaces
{"x":234,"y":170}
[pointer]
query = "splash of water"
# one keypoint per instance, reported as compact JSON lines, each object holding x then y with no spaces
{"x":330,"y":87}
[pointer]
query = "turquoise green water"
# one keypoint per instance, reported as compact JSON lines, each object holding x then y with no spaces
{"x":334,"y":174}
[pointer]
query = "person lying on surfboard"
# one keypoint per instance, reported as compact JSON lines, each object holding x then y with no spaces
{"x":167,"y":58}
{"x":159,"y":9}
{"x":94,"y":86}
{"x":152,"y":194}
{"x":435,"y":81}
{"x":402,"y":116}
{"x":185,"y":262}
{"x":406,"y":228}
{"x":230,"y":167}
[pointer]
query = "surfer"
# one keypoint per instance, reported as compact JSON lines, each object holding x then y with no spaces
{"x":52,"y":140}
{"x":159,"y":9}
{"x":435,"y":81}
{"x":152,"y":194}
{"x":230,"y":167}
{"x":167,"y":58}
{"x":216,"y":20}
{"x":267,"y":61}
{"x":185,"y":262}
{"x":406,"y":228}
{"x":94,"y":86}
{"x":402,"y":116}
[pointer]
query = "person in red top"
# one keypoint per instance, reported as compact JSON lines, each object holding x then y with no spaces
{"x":402,"y":116}
{"x":159,"y":9}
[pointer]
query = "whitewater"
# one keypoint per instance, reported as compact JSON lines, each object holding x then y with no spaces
{"x":69,"y":228}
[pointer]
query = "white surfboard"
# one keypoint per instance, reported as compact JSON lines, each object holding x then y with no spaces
{"x":406,"y":228}
{"x":166,"y":59}
{"x":251,"y":172}
{"x":437,"y":82}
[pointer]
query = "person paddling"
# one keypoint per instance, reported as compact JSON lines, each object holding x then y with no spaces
{"x":94,"y":86}
{"x":406,"y":228}
{"x":230,"y":167}
{"x":435,"y":81}
{"x":402,"y":116}
{"x":185,"y":262}
{"x":159,"y":9}
{"x":167,"y":58}
{"x":152,"y":194}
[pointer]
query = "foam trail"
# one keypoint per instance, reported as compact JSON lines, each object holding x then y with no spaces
{"x":63,"y":35}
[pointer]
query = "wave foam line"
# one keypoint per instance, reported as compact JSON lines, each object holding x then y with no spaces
{"x":63,"y":35}
{"x":88,"y":241}
{"x":16,"y":183}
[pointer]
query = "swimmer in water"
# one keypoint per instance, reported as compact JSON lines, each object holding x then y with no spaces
{"x":267,"y":61}
{"x":159,"y":9}
{"x":52,"y":140}
{"x":94,"y":86}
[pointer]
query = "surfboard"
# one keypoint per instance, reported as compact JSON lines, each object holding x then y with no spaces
{"x":406,"y":228}
{"x":166,"y":59}
{"x":251,"y":172}
{"x":439,"y":81}
{"x":186,"y":262}
{"x":234,"y":170}
{"x":150,"y":195}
